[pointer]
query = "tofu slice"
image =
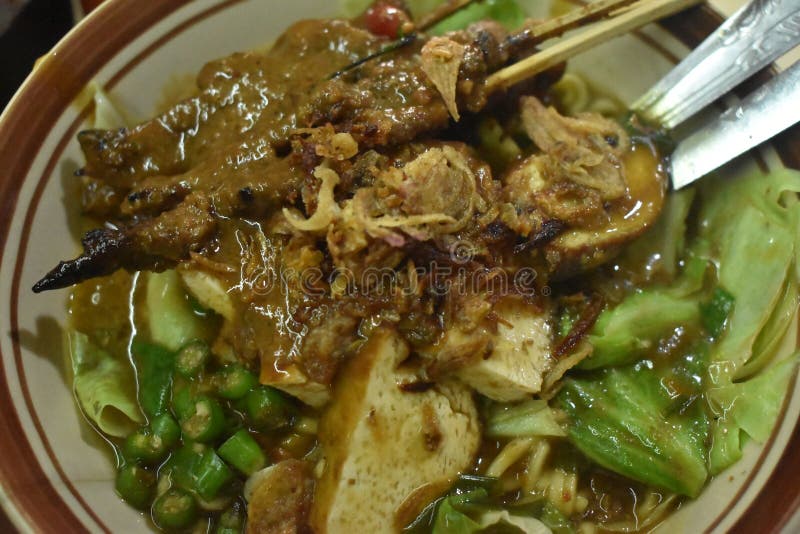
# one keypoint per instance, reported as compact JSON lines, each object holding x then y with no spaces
{"x":519,"y":357}
{"x":389,"y":452}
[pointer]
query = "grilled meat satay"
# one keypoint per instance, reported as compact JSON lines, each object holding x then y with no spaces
{"x":245,"y":158}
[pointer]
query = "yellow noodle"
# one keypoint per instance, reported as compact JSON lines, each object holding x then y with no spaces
{"x":510,"y":454}
{"x":573,"y":93}
{"x":540,"y":451}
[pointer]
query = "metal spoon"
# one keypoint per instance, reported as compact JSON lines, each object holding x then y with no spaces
{"x":748,"y":41}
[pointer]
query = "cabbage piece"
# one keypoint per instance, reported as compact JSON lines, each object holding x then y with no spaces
{"x":715,"y":312}
{"x":526,"y":419}
{"x":648,"y":424}
{"x":631,"y":330}
{"x":752,"y":407}
{"x":171,"y":319}
{"x":104,"y":386}
{"x":756,"y":286}
{"x":468,"y":513}
{"x":766,"y":218}
{"x":771,"y":336}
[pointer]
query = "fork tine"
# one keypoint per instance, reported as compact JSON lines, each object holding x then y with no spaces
{"x":749,"y":40}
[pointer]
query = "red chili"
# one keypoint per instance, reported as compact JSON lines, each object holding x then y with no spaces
{"x":385,"y":19}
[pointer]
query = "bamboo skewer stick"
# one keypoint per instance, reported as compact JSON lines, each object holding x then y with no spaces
{"x":643,"y":13}
{"x":574,"y":19}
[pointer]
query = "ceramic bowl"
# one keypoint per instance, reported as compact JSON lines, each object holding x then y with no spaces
{"x":54,"y":473}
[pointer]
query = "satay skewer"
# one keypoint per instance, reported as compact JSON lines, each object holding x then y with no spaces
{"x":576,"y":18}
{"x":644,"y":12}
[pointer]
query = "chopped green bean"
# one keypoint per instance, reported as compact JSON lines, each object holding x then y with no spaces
{"x":192,"y":358}
{"x":243,"y":453}
{"x":211,"y":474}
{"x":165,"y":428}
{"x":206,"y":420}
{"x":154,"y":366}
{"x":181,"y":465}
{"x":267,"y":408}
{"x":142,"y":446}
{"x":234,"y":382}
{"x":183,"y":402}
{"x":135,"y":485}
{"x":175,"y":509}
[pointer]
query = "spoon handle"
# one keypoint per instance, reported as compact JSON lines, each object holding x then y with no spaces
{"x":765,"y":113}
{"x":748,"y":41}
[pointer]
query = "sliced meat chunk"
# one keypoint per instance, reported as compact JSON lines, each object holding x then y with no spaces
{"x":388,"y":452}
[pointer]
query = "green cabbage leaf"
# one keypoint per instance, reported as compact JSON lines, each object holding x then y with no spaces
{"x":104,"y":386}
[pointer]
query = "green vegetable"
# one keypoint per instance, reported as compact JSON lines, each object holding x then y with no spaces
{"x":647,"y":424}
{"x":267,"y":408}
{"x":751,"y":406}
{"x":210,"y":475}
{"x":183,"y":401}
{"x":715,"y":312}
{"x":152,"y":443}
{"x":755,"y":285}
{"x":166,"y":430}
{"x":234,"y":382}
{"x":469,"y":513}
{"x":754,"y":224}
{"x":154,"y":365}
{"x":175,"y":509}
{"x":191,"y":358}
{"x":772,"y":335}
{"x":753,"y":220}
{"x":171,"y":320}
{"x":553,"y":518}
{"x":104,"y":387}
{"x":529,"y":418}
{"x":143,"y":446}
{"x":135,"y":485}
{"x":631,"y":330}
{"x":182,"y":464}
{"x":506,"y":12}
{"x":205,"y":420}
{"x":450,"y":520}
{"x":243,"y":453}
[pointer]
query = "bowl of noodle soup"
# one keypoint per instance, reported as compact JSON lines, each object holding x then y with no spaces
{"x":122,"y":64}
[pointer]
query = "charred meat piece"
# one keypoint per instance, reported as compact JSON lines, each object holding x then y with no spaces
{"x":154,"y":244}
